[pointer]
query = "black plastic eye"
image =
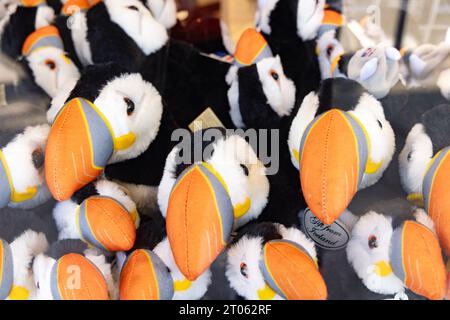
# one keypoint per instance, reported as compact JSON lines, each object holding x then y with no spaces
{"x":38,"y":158}
{"x":274,"y":75}
{"x":410,"y":154}
{"x":380,"y":124}
{"x":244,"y":271}
{"x":373,"y":242}
{"x":37,"y":285}
{"x":50,"y":64}
{"x":244,"y":167}
{"x":130,"y":105}
{"x":134,"y":8}
{"x":329,"y":50}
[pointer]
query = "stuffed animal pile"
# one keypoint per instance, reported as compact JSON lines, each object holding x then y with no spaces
{"x":161,"y":165}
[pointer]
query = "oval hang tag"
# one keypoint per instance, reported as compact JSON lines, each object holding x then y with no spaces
{"x":331,"y":237}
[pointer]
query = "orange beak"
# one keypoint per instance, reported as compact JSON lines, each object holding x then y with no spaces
{"x":199,"y":219}
{"x":73,"y":277}
{"x":106,"y":224}
{"x":145,"y":277}
{"x":291,"y":272}
{"x":417,"y":260}
{"x":437,"y":196}
{"x":79,"y":145}
{"x":333,"y":155}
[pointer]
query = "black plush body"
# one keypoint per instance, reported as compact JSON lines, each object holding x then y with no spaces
{"x":437,"y":126}
{"x":61,"y":23}
{"x":190,"y":81}
{"x":298,"y":57}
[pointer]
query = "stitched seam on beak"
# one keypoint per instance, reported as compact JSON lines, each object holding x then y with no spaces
{"x":324,"y":169}
{"x":186,"y":224}
{"x":432,"y":267}
{"x":56,"y":160}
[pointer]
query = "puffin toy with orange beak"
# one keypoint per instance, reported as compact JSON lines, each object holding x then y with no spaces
{"x":259,"y":95}
{"x":268,"y":261}
{"x":111,"y":115}
{"x":341,"y":142}
{"x":132,"y":31}
{"x":42,"y":52}
{"x":101,"y":214}
{"x":22,"y":175}
{"x":424,"y":165}
{"x":16,"y":257}
{"x":69,"y":270}
{"x":204,"y":197}
{"x":397,"y":258}
{"x":150,"y":271}
{"x":291,"y":28}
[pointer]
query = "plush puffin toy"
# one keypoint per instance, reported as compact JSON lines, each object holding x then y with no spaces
{"x":54,"y":275}
{"x":205,"y":194}
{"x":290,"y":28}
{"x":110,"y":116}
{"x":42,"y":52}
{"x":101,"y":214}
{"x":22,"y":169}
{"x":16,"y":257}
{"x":118,"y":31}
{"x":19,"y":23}
{"x":150,"y":271}
{"x":259,"y":93}
{"x":424,"y":171}
{"x":392,"y":258}
{"x":269,"y":261}
{"x":341,"y":142}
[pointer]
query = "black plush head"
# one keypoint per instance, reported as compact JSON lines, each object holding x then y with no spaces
{"x":94,"y":78}
{"x":331,"y":94}
{"x":61,"y":23}
{"x":437,"y":126}
{"x":63,"y":247}
{"x":267,"y":230}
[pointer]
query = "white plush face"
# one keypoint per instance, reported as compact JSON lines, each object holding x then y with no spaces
{"x":183,"y":288}
{"x":414,"y":159}
{"x":24,"y":249}
{"x":137,"y":21}
{"x":370,"y":114}
{"x":243,"y":271}
{"x":164,"y":11}
{"x":382,"y":140}
{"x":239,"y":167}
{"x":368,"y":253}
{"x":25,"y":158}
{"x":42,"y":268}
{"x":278,"y":89}
{"x":52,"y":69}
{"x":309,"y":18}
{"x":131,"y":105}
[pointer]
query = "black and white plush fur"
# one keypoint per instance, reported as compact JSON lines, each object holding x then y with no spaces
{"x":290,"y":27}
{"x":113,"y":31}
